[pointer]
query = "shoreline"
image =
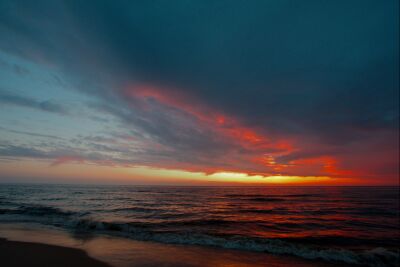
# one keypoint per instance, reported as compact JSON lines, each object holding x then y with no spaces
{"x":106,"y":251}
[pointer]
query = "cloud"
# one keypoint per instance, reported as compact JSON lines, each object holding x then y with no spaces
{"x":261,"y":87}
{"x":30,"y":133}
{"x":66,"y":159}
{"x":22,"y":101}
{"x":57,"y":153}
{"x":19,"y":151}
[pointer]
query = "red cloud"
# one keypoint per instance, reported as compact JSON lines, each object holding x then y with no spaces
{"x":262,"y":147}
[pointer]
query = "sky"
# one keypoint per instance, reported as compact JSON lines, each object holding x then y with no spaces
{"x":200,"y":92}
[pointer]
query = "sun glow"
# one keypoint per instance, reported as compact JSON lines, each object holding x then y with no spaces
{"x":276,"y":179}
{"x":149,"y":175}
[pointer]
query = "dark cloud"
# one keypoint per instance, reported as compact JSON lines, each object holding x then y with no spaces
{"x":265,"y":61}
{"x":314,"y":67}
{"x":321,"y":73}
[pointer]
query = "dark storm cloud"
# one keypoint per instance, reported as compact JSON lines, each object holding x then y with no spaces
{"x":314,"y":66}
{"x":311,"y":66}
{"x":325,"y":71}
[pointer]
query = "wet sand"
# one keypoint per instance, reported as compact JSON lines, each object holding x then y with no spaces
{"x":37,"y":246}
{"x":25,"y":254}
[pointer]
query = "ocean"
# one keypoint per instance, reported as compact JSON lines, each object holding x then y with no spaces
{"x":344,"y":225}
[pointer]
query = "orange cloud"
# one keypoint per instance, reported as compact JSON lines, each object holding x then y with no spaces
{"x":221,"y":124}
{"x":249,"y":150}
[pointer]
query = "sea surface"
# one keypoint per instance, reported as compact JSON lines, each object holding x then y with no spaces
{"x":352,"y":225}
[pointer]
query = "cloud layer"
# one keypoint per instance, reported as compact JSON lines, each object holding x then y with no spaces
{"x":261,"y":87}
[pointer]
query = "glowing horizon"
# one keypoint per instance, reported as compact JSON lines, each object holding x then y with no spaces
{"x":45,"y":172}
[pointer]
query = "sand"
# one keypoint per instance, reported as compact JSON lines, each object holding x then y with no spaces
{"x":26,"y":254}
{"x":37,"y":246}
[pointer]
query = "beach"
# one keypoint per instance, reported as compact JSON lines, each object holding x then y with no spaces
{"x":33,"y":245}
{"x":14,"y":254}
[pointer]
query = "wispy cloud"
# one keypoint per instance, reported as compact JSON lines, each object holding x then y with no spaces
{"x":23,"y":101}
{"x":30,"y":133}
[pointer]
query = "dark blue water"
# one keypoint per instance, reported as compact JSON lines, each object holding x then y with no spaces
{"x":356,"y":225}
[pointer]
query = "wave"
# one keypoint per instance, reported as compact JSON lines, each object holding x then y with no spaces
{"x":266,"y":199}
{"x":377,"y":257}
{"x":54,"y":198}
{"x":274,"y":196}
{"x":339,"y":241}
{"x":202,"y":222}
{"x":171,"y":232}
{"x":268,"y":211}
{"x":243,"y":195}
{"x":38,"y":211}
{"x":136,"y":209}
{"x":261,"y":198}
{"x":87,"y":222}
{"x":371,"y":211}
{"x":301,"y":195}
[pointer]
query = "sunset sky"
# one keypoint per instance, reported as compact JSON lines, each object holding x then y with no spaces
{"x":200,"y":92}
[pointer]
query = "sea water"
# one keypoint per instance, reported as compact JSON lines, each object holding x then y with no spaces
{"x":353,"y":225}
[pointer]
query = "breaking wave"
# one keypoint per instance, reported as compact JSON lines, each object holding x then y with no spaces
{"x":73,"y":221}
{"x":303,"y":222}
{"x":378,"y":257}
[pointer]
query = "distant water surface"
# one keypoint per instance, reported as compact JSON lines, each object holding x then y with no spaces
{"x":355,"y":225}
